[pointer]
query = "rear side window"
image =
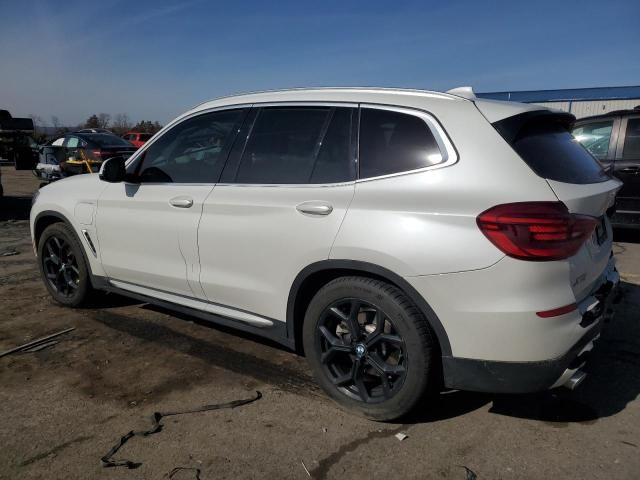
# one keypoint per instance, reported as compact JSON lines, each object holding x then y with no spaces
{"x":298,"y":145}
{"x":393,"y":142}
{"x":595,"y":137}
{"x":631,"y":150}
{"x":545,"y":144}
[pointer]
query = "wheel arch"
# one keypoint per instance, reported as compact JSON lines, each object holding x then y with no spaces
{"x":314,"y":276}
{"x":43,"y":220}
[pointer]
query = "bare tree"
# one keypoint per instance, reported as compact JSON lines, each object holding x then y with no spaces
{"x":121,"y":124}
{"x":56,"y":124}
{"x":38,"y":123}
{"x":103,"y":120}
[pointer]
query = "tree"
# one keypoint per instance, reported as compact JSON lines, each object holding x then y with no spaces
{"x":57,"y":125}
{"x":121,"y":124}
{"x":147,"y":126}
{"x":103,"y":120}
{"x":92,"y":122}
{"x":38,"y":123}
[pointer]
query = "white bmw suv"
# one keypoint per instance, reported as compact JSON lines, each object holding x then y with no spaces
{"x":406,"y":241}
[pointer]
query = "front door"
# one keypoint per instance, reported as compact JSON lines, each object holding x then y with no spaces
{"x":147,"y":228}
{"x":279,"y":205}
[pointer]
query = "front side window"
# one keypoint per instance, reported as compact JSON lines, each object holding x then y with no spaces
{"x":193,"y":151}
{"x":298,"y":145}
{"x":631,"y":150}
{"x":394,"y":142}
{"x":595,"y":137}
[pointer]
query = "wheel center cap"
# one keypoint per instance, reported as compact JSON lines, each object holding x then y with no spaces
{"x":360,"y":350}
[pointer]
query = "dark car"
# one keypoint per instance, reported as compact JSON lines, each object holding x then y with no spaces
{"x":614,"y":139}
{"x":77,"y":152}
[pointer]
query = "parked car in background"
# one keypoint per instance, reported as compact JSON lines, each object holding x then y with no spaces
{"x":79,"y":152}
{"x":614,"y":139}
{"x":402,"y":239}
{"x":96,"y":130}
{"x":137,"y":139}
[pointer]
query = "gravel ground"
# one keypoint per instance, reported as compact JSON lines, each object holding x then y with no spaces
{"x":64,"y":407}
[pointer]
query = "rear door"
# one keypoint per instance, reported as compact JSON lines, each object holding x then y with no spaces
{"x":627,"y":165}
{"x":278,"y":207}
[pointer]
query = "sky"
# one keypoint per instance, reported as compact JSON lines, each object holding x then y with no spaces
{"x":154,"y":60}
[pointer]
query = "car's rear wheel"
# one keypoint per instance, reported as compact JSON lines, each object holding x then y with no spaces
{"x":63,"y":266}
{"x":371,"y":350}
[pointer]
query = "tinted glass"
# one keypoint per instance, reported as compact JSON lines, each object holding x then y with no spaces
{"x":143,"y":137}
{"x":106,"y":140}
{"x":194,"y":151}
{"x":631,"y":150}
{"x":72,"y":142}
{"x":552,"y":152}
{"x":595,"y":137}
{"x":392,"y":142}
{"x":297,"y":145}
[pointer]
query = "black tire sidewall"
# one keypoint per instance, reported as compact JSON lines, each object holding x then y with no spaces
{"x":63,"y":231}
{"x":410,"y":325}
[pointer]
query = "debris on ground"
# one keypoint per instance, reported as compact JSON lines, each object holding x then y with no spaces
{"x":306,"y":469}
{"x":32,"y":344}
{"x":471,"y":475}
{"x":107,"y":460}
{"x":9,"y":253}
{"x":41,"y":346}
{"x":401,"y":436}
{"x":195,"y":470}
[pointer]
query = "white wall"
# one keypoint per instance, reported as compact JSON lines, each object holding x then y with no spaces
{"x":592,"y":107}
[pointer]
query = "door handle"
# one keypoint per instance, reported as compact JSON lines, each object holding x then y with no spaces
{"x":181,"y":202}
{"x":315,"y":208}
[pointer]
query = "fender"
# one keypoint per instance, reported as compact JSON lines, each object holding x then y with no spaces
{"x":354,"y":267}
{"x":97,"y":282}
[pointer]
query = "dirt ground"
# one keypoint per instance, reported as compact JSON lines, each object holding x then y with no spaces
{"x":64,"y":407}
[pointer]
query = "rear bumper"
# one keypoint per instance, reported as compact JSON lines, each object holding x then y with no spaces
{"x":526,"y":377}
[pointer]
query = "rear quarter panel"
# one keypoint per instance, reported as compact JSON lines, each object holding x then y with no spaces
{"x":424,"y":223}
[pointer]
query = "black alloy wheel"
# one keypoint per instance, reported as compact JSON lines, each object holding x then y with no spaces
{"x":63,"y":265}
{"x":361,"y":350}
{"x":60,"y":266}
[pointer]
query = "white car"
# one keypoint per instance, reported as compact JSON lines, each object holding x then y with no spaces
{"x":406,"y":241}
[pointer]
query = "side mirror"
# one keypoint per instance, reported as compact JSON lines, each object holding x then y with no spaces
{"x":113,"y":170}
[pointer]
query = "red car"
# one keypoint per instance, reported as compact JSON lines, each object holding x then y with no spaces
{"x":137,"y":139}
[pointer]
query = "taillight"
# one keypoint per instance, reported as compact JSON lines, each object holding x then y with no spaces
{"x":96,"y":153}
{"x":536,"y":230}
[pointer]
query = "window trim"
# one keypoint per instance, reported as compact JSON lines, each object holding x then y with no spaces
{"x":138,"y":155}
{"x":439,"y":134}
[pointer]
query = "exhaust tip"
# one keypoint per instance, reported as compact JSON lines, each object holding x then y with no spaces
{"x":575,"y":380}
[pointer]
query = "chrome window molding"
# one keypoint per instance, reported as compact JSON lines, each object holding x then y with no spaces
{"x":445,"y":146}
{"x":447,"y":150}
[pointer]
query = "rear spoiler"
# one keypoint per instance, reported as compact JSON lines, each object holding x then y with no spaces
{"x":510,"y":128}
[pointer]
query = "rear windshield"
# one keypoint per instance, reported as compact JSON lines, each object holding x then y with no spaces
{"x":144,"y":137}
{"x":106,"y":140}
{"x":547,"y":146}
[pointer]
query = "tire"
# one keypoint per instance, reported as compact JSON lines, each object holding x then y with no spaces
{"x":63,"y":266}
{"x":394,"y":343}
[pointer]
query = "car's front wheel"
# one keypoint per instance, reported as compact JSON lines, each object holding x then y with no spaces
{"x":371,"y":350}
{"x":63,"y":266}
